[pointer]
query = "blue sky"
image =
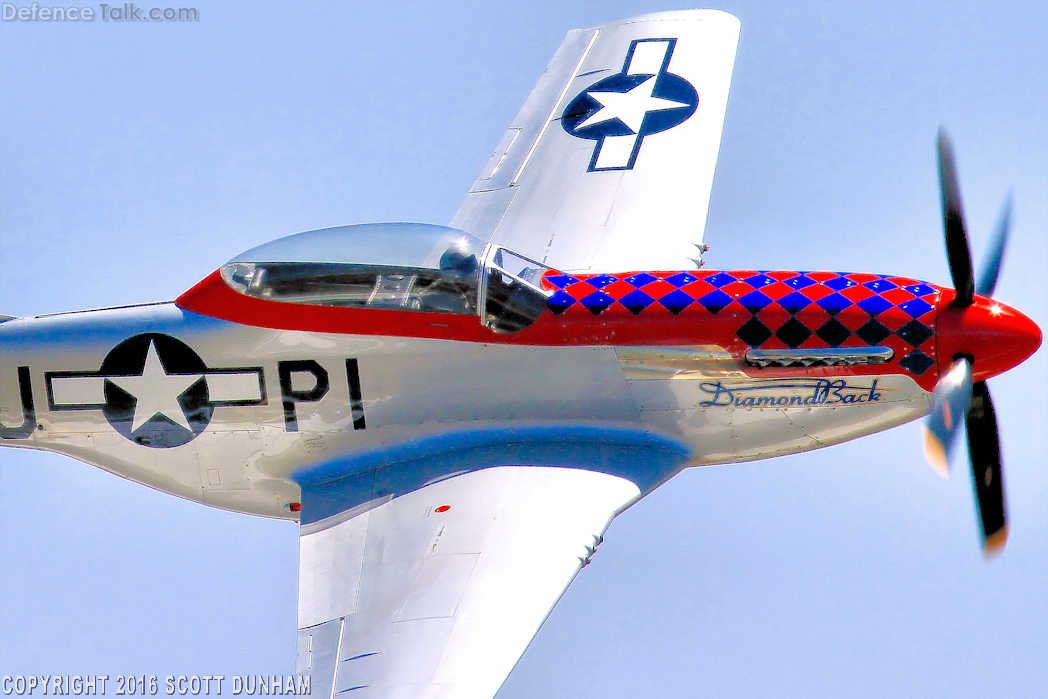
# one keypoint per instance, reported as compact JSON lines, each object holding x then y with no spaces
{"x":135,"y":159}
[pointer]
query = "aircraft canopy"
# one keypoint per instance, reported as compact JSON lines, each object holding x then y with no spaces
{"x":395,"y":266}
{"x":415,"y":245}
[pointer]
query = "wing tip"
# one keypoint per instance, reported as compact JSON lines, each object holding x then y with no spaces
{"x":676,"y":16}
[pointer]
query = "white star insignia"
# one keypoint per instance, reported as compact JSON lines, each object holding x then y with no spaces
{"x":629,"y":107}
{"x":156,"y":392}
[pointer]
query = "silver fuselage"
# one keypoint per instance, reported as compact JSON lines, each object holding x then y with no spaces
{"x":242,"y":453}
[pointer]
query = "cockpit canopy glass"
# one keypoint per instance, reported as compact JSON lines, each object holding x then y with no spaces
{"x":511,"y":289}
{"x":397,"y":266}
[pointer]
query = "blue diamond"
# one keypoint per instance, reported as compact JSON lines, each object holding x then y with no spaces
{"x":754,"y":301}
{"x":834,"y":303}
{"x":881,"y":285}
{"x":561,"y":280}
{"x":602,"y":281}
{"x":759,"y":280}
{"x":676,"y":301}
{"x":916,"y":308}
{"x":641,"y":279}
{"x":874,"y":305}
{"x":916,"y":362}
{"x":559,"y":302}
{"x":919,"y":289}
{"x":839,"y":283}
{"x":715,"y":301}
{"x":799,"y":282}
{"x":795,"y":302}
{"x":720,"y":279}
{"x":680,"y":279}
{"x":597,"y":302}
{"x":636,"y":301}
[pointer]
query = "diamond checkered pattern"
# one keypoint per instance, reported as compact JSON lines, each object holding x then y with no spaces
{"x":773,"y":310}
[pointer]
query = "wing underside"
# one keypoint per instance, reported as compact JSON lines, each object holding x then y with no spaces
{"x":609,"y":164}
{"x":438,"y":592}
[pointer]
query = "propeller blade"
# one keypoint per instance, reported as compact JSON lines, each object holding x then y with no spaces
{"x":991,"y":270}
{"x":985,"y":451}
{"x":949,"y":403}
{"x":957,"y":252}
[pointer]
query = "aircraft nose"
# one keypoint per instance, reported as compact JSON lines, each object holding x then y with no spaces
{"x":996,"y":336}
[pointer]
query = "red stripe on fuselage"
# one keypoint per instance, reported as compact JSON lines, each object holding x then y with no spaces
{"x":654,"y":325}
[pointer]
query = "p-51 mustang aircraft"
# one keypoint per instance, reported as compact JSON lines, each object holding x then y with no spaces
{"x":456,"y":414}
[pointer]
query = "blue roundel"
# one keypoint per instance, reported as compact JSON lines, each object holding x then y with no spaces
{"x":618,"y":111}
{"x":667,"y":87}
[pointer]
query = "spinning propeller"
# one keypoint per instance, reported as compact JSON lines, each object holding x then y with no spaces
{"x":979,"y":338}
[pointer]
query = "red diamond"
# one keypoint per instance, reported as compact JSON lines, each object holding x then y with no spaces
{"x":776,"y":291}
{"x":856,"y":293}
{"x":897,"y":297}
{"x":862,"y":277}
{"x":697,"y":290}
{"x":579,"y":290}
{"x":853,"y":318}
{"x":816,"y":291}
{"x":737,"y":289}
{"x":893,"y":319}
{"x":618,"y":289}
{"x":658,"y":289}
{"x":813,"y":316}
{"x":773,"y":315}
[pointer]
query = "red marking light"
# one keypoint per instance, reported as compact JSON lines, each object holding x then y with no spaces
{"x":295,"y":506}
{"x":442,"y":509}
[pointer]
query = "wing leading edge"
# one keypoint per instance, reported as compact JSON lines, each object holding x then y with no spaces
{"x":609,"y":164}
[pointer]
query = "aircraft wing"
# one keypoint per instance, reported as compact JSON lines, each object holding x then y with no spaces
{"x":609,"y":164}
{"x":436,"y":593}
{"x":426,"y":568}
